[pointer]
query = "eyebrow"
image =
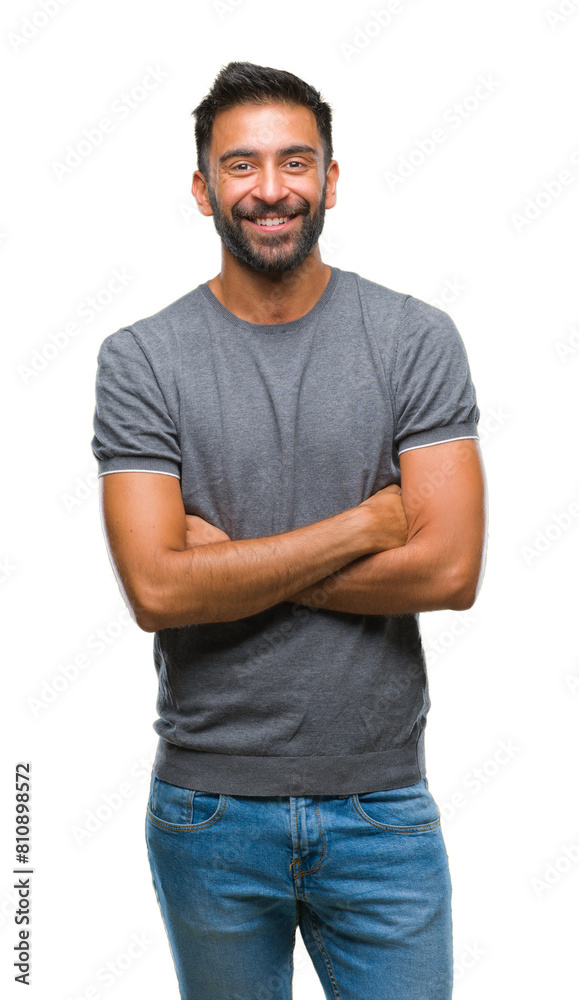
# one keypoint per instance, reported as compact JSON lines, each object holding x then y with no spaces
{"x":229,"y":154}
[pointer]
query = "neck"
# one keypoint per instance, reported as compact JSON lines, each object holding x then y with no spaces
{"x":270,"y":297}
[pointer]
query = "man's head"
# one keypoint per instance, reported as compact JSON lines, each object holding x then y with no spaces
{"x":264,"y":146}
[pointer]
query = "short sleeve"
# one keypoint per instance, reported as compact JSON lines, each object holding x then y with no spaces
{"x":133,"y":428}
{"x":435,"y":399}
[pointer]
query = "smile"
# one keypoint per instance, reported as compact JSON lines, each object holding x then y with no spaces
{"x":274,"y":225}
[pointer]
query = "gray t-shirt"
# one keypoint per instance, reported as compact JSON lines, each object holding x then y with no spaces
{"x":270,"y":427}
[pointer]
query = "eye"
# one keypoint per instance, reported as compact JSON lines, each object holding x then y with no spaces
{"x":291,"y":163}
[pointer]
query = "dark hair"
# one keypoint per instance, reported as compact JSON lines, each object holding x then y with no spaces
{"x":245,"y":83}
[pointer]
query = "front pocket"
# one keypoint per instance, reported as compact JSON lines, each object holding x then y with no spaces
{"x":172,"y":807}
{"x":401,"y":810}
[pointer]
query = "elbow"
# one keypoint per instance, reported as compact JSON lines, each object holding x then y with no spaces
{"x":154,"y":611}
{"x":147,"y":622}
{"x":462,"y":591}
{"x":146,"y":610}
{"x":146,"y":617}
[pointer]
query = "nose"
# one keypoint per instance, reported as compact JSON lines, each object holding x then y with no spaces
{"x":270,"y":186}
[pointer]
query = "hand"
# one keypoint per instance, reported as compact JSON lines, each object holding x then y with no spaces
{"x":200,"y":532}
{"x":389,"y":525}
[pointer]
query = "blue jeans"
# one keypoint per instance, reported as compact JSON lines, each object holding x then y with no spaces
{"x":364,"y":876}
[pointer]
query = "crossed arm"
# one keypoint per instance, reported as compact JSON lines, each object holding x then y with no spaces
{"x":176,"y":569}
{"x":444,"y":495}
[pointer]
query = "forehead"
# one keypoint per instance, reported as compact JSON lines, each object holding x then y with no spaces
{"x":264,"y":128}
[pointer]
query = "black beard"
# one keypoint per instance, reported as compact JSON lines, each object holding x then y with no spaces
{"x":284,"y":251}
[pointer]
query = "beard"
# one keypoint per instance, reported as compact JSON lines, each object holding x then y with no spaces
{"x":283,"y":252}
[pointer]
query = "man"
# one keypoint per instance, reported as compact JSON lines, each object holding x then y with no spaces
{"x":290,"y":473}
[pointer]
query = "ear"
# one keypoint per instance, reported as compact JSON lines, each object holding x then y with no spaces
{"x":332,"y":174}
{"x":199,"y":192}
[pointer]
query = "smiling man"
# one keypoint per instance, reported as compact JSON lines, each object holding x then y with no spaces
{"x":290,"y":473}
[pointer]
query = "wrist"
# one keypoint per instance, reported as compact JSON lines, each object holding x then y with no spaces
{"x":359,"y":524}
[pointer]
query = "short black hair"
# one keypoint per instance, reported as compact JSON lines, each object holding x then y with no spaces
{"x":245,"y":83}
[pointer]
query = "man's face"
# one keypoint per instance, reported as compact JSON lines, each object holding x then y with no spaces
{"x":267,"y":162}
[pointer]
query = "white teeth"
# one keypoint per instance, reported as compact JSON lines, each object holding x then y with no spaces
{"x":272,"y":222}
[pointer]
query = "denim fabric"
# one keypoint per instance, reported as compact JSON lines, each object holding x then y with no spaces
{"x":365,"y":877}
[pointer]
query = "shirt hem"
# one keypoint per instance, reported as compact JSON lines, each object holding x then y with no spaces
{"x":438,"y":435}
{"x":232,"y":774}
{"x":160,"y":472}
{"x":136,"y":463}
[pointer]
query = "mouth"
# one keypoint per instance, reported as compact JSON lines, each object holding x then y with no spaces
{"x":272,"y":225}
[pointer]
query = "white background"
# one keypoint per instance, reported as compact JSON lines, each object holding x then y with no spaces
{"x":482,"y":214}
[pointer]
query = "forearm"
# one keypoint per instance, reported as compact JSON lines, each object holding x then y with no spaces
{"x":403,"y":580}
{"x":229,"y":580}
